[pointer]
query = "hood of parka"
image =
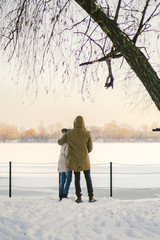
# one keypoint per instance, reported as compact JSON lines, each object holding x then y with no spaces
{"x":79,"y":122}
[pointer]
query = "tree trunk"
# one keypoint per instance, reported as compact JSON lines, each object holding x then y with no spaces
{"x":134,"y":57}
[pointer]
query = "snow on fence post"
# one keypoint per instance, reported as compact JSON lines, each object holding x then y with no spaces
{"x":110,"y":179}
{"x":10,"y":179}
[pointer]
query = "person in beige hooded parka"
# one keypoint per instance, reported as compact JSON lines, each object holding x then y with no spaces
{"x":79,"y":145}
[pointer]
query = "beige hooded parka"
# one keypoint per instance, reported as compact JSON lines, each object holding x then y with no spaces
{"x":79,"y":145}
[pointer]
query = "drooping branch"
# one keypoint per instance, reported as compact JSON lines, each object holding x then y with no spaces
{"x":35,"y":23}
{"x":55,"y":20}
{"x":17,"y":29}
{"x":110,"y":78}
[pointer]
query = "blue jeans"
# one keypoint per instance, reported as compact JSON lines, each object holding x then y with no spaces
{"x":65,"y":179}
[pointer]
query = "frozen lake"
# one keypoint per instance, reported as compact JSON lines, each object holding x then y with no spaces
{"x":34,"y":168}
{"x":130,"y":153}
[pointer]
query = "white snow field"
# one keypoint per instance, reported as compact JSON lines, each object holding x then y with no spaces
{"x":36,"y":214}
{"x":106,"y":219}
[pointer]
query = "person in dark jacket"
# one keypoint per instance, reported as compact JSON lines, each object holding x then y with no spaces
{"x":79,"y":146}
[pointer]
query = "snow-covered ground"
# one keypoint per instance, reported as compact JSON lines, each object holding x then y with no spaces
{"x":34,"y":214}
{"x":106,"y":219}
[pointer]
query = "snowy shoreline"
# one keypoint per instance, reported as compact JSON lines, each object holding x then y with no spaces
{"x":147,"y":140}
{"x":119,"y":194}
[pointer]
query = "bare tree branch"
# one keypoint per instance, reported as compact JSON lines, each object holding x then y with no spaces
{"x":153,"y":14}
{"x":117,"y":10}
{"x":134,"y":57}
{"x":110,"y":78}
{"x":112,"y":54}
{"x":17,"y":29}
{"x":36,"y":33}
{"x":141,"y":25}
{"x":52,"y":32}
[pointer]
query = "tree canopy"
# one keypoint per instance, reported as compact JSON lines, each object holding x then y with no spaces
{"x":83,"y":38}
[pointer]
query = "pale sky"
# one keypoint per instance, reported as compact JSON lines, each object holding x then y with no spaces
{"x":22,"y":111}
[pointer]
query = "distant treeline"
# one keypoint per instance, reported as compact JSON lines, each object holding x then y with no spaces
{"x":111,"y":131}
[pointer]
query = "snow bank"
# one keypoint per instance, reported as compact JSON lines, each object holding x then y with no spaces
{"x":106,"y":219}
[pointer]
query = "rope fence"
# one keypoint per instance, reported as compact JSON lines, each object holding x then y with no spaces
{"x":17,"y":169}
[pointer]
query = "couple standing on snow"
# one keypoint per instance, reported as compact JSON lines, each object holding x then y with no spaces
{"x":76,"y":144}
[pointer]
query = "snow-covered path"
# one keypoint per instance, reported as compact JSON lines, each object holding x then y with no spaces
{"x":106,"y":219}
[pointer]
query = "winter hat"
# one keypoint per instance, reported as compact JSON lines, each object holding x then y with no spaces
{"x":64,"y":130}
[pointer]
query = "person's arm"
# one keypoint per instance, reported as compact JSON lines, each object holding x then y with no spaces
{"x":66,"y":150}
{"x":90,"y":144}
{"x":62,"y":140}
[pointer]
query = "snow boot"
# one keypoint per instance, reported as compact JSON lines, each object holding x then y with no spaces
{"x":92,"y":199}
{"x":78,"y":200}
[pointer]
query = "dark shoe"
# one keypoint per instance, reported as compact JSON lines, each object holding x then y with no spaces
{"x":61,"y":197}
{"x":92,"y":199}
{"x":78,"y":200}
{"x":65,"y":196}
